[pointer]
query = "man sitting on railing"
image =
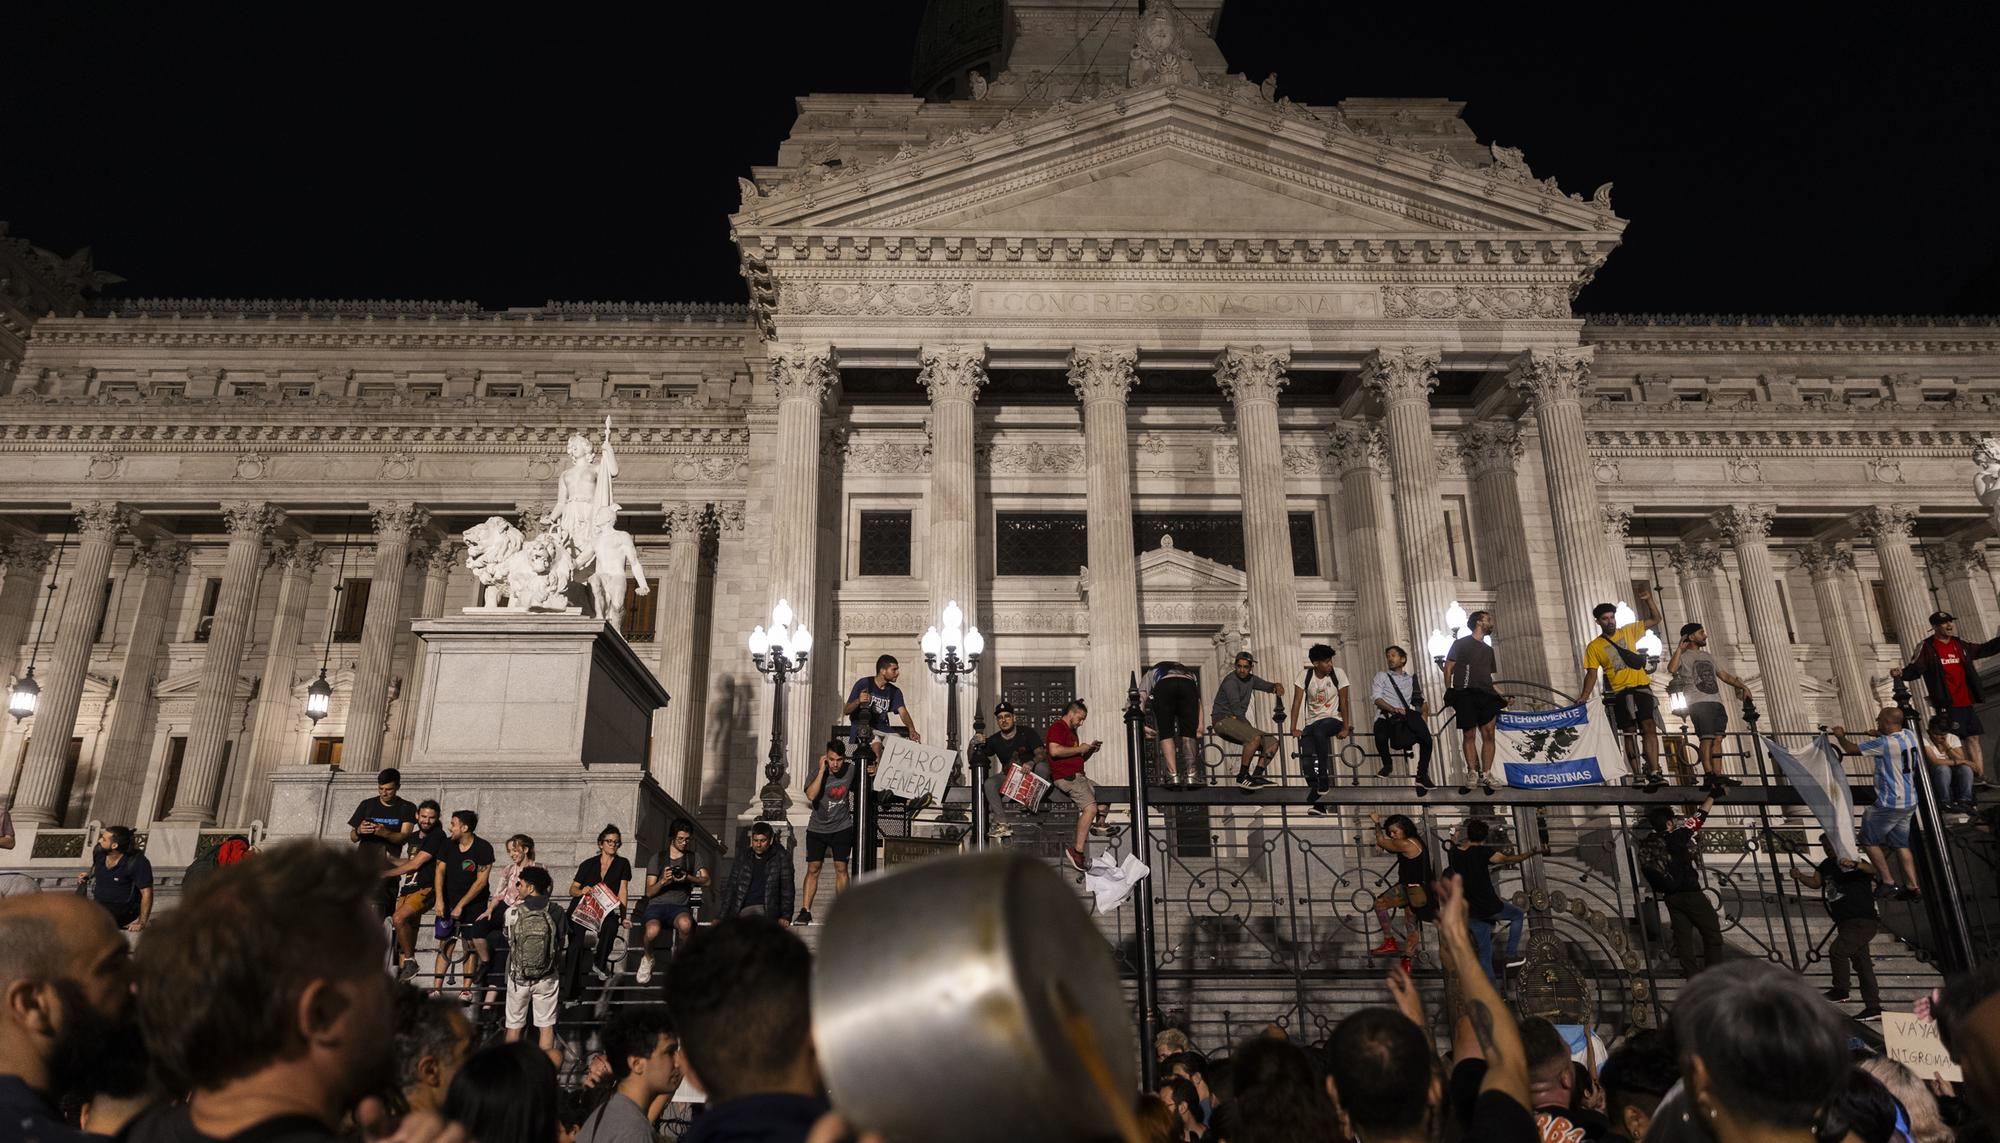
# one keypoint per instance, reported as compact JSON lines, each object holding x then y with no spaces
{"x":1898,"y":754}
{"x":1066,"y":756}
{"x":1229,"y":714}
{"x":1399,"y":716}
{"x":1012,"y":743}
{"x":1324,"y":695}
{"x":1952,"y":775}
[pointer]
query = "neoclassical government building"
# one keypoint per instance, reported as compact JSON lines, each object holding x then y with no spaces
{"x":1132,"y":357}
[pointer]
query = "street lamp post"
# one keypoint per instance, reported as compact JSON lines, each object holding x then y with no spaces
{"x":779,"y":653}
{"x":952,"y":651}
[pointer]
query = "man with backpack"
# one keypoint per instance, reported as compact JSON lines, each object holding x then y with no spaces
{"x":1628,"y":680}
{"x":534,"y":942}
{"x":1666,"y":858}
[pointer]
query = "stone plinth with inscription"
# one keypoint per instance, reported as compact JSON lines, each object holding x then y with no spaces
{"x":540,"y":722}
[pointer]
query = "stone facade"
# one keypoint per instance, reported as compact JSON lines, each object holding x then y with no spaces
{"x":1327,"y":352}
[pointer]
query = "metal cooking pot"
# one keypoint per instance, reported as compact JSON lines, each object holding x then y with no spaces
{"x":970,"y":998}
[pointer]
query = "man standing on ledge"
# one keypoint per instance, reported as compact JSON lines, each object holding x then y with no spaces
{"x":1698,"y":677}
{"x":873,"y":699}
{"x":1628,"y":683}
{"x":1945,"y":663}
{"x":1468,"y":690}
{"x":379,"y":826}
{"x":1229,"y":714}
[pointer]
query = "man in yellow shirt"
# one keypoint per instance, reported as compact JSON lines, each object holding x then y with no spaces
{"x":1628,"y":684}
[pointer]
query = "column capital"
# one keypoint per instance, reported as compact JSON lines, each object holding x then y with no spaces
{"x":1406,"y":373}
{"x":729,"y":517}
{"x":103,"y":519}
{"x":1695,"y":558}
{"x":161,"y":557}
{"x":1953,"y":559}
{"x":397,"y":519}
{"x":1552,"y":376}
{"x":1253,"y":373}
{"x":1821,"y":559}
{"x":1357,"y":444}
{"x":1490,"y":446}
{"x":1617,"y":522}
{"x":952,"y":372}
{"x":1887,"y":523}
{"x":438,"y":557}
{"x":250,"y":518}
{"x":1103,"y":372}
{"x":685,"y":519}
{"x":27,"y":555}
{"x":529,"y":515}
{"x":298,"y":557}
{"x":1744,"y":523}
{"x":802,"y":372}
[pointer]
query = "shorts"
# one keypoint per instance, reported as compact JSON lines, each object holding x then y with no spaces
{"x":1078,"y":789}
{"x":1710,"y":719}
{"x":1475,"y":708}
{"x":839,"y":846}
{"x":1239,"y":731}
{"x":1631,"y":707}
{"x":471,"y":927}
{"x":416,"y":902}
{"x":538,"y":994}
{"x":1886,"y":827}
{"x":665,"y":911}
{"x":1176,"y":708}
{"x":1964,"y":722}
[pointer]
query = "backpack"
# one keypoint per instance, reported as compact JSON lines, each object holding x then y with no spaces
{"x":228,"y":851}
{"x":534,"y":946}
{"x":1656,"y":863}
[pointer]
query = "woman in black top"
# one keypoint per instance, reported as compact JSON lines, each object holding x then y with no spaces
{"x":1414,"y":890}
{"x":614,"y":873}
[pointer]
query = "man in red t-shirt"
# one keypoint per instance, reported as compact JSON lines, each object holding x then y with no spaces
{"x":1067,"y":754}
{"x":1947,"y":664}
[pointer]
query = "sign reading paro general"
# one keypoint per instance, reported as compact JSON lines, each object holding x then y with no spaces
{"x":1095,"y":301}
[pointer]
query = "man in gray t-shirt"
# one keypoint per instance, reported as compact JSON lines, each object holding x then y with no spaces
{"x":830,"y":830}
{"x":1230,"y":716}
{"x":1698,"y":677}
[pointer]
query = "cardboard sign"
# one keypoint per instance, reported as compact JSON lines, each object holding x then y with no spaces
{"x":913,"y":769}
{"x":1567,"y":746}
{"x":1024,"y":786}
{"x":1914,"y":1043}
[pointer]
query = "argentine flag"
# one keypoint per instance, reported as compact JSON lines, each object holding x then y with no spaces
{"x":1816,"y":774}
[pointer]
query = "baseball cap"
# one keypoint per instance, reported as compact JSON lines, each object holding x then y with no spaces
{"x":1003,"y":708}
{"x":1938,"y":617}
{"x":1688,"y":629}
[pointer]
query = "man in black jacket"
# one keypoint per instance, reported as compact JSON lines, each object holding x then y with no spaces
{"x":1946,"y":664}
{"x":1667,"y":858}
{"x":760,"y":883}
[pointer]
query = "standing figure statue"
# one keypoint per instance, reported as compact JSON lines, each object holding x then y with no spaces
{"x":1986,"y":483}
{"x":583,"y":489}
{"x":614,"y":554}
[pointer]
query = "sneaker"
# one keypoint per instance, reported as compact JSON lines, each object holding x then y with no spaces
{"x":1465,"y":784}
{"x":598,"y":972}
{"x":1424,"y":788}
{"x":1320,"y":810}
{"x":645,"y":973}
{"x":1000,"y":830}
{"x":1409,"y":965}
{"x":1244,"y":782}
{"x":1884,"y":890}
{"x":1258,"y":780}
{"x":1725,"y":780}
{"x":805,"y":917}
{"x":1653,"y":780}
{"x":1100,"y":829}
{"x":1388,"y":947}
{"x":1869,"y":1015}
{"x":406,"y":970}
{"x":1516,"y":961}
{"x":1837,"y":995}
{"x":1909,"y":895}
{"x":1486,"y":786}
{"x":1383,"y":772}
{"x":1074,"y":857}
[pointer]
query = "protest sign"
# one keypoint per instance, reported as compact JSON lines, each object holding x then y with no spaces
{"x":1914,"y":1043}
{"x":912,"y":769}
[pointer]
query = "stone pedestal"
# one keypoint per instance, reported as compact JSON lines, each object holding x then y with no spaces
{"x":540,"y":722}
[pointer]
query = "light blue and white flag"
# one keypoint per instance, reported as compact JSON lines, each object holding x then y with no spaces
{"x":1815,"y":772}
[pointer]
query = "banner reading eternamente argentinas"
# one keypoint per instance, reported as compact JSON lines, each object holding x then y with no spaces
{"x":1566,"y":746}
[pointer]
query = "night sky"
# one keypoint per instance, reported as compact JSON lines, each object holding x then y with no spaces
{"x":534,"y":153}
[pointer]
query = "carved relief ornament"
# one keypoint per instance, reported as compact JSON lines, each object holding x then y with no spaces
{"x":1490,"y":446}
{"x":1358,"y":444}
{"x":26,"y":555}
{"x":1823,"y":559}
{"x":952,"y":372}
{"x":1252,"y":374}
{"x":396,"y":519}
{"x":1695,"y":558}
{"x":802,"y":372}
{"x":876,"y":299}
{"x":1744,"y":523}
{"x":1552,"y":376}
{"x":252,"y":518}
{"x":1408,"y":373}
{"x":300,"y":557}
{"x":1482,"y":303}
{"x":163,"y":558}
{"x":103,"y":519}
{"x":1103,"y":372}
{"x":1885,"y":523}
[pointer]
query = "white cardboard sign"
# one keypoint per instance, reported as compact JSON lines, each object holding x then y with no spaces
{"x":1915,"y":1044}
{"x":912,"y":769}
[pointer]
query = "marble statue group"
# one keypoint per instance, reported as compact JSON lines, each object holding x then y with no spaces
{"x":517,"y":572}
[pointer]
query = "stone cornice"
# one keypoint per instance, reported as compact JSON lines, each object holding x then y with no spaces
{"x":1790,"y":333}
{"x":1557,"y":256}
{"x":1671,"y":442}
{"x":402,"y":332}
{"x":188,"y":435}
{"x":418,"y":308}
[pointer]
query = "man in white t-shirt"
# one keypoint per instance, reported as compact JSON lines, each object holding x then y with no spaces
{"x":1325,"y":699}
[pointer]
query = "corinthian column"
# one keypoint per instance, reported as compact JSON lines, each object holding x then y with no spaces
{"x":1747,"y":527}
{"x":1357,"y":449}
{"x":438,"y":559}
{"x":1828,"y":565}
{"x":1555,"y":379}
{"x":1251,"y":378}
{"x":99,"y":525}
{"x":1405,"y":377}
{"x":675,"y":753}
{"x":1706,"y":600}
{"x":1617,"y":534}
{"x":368,"y":704}
{"x":27,"y":558}
{"x":1968,"y":588}
{"x":1888,"y":527}
{"x":1103,"y":376}
{"x":953,"y":374}
{"x":277,"y":713}
{"x":200,"y":791}
{"x":1491,"y":450}
{"x":803,"y":376}
{"x":126,"y":735}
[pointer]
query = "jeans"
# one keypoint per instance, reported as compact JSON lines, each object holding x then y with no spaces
{"x":1850,"y":947}
{"x":1951,"y":783}
{"x":1482,"y":936}
{"x":1423,"y":749}
{"x":1316,"y":752}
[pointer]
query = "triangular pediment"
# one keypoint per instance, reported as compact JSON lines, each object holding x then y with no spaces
{"x":1168,"y":568}
{"x":1173,"y":161}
